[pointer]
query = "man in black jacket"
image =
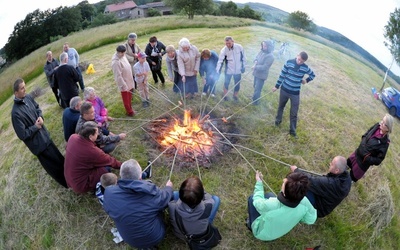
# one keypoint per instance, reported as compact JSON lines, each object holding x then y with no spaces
{"x":65,"y":79}
{"x":327,"y":191}
{"x":27,"y":120}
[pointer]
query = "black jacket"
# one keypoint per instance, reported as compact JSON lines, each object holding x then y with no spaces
{"x":158,"y":48}
{"x":24,"y":114}
{"x":65,"y":79}
{"x":371,"y":151}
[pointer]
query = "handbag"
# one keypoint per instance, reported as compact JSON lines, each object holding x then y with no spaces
{"x":207,"y":240}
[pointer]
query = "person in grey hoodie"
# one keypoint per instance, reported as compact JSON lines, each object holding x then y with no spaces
{"x":196,"y":208}
{"x":262,"y":64}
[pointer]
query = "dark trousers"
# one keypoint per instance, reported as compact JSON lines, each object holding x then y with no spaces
{"x":284,"y":97}
{"x":53,"y":162}
{"x":55,"y":91}
{"x":210,"y":85}
{"x":258,"y":86}
{"x":158,"y":73}
{"x":81,"y":83}
{"x":253,"y":213}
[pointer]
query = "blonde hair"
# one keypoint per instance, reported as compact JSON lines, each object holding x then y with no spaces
{"x":170,"y":48}
{"x":108,"y":179}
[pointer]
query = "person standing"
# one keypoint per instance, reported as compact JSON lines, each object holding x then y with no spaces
{"x":137,"y":207}
{"x":71,"y":116}
{"x":172,"y":68}
{"x":85,"y":163}
{"x":141,"y":71}
{"x":65,"y":79}
{"x":290,"y":81}
{"x":28,"y":124}
{"x":271,"y":217}
{"x":327,"y":191}
{"x":49,"y":68}
{"x":262,"y":64}
{"x":208,"y":72}
{"x":154,"y":51}
{"x":188,"y":66}
{"x":73,"y":60}
{"x":372,"y":149}
{"x":132,"y":51}
{"x":123,"y":77}
{"x":232,"y":54}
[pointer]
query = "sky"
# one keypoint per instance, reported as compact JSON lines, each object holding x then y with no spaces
{"x":359,"y":20}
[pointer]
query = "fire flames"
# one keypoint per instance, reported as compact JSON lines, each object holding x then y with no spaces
{"x":188,"y":137}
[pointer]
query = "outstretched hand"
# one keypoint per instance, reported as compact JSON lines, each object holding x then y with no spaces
{"x":259,"y":175}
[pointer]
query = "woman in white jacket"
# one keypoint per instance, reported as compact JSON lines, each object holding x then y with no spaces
{"x":188,"y":64}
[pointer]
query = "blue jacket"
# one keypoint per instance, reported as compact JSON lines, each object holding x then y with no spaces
{"x":70,"y":119}
{"x":137,"y":206}
{"x":208,"y":67}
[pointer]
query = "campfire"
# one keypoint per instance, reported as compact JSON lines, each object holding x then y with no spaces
{"x":189,"y":140}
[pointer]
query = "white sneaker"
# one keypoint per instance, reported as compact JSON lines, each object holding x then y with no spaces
{"x":204,"y":93}
{"x":212,"y":95}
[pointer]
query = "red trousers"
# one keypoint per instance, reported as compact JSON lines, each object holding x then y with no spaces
{"x":127,"y":100}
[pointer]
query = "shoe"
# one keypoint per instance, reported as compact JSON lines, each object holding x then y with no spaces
{"x":144,"y":104}
{"x":148,"y":103}
{"x":248,"y":224}
{"x":204,"y":93}
{"x":277,"y":124}
{"x":149,"y":171}
{"x":163,"y":84}
{"x":235,"y":98}
{"x":226,"y":98}
{"x":294,"y":135}
{"x":212,"y":95}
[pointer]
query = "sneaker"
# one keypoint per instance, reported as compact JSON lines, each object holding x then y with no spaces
{"x":144,"y":104}
{"x":235,"y":98}
{"x":212,"y":95}
{"x":149,"y":171}
{"x":277,"y":124}
{"x":248,"y":224}
{"x":294,"y":135}
{"x":204,"y":93}
{"x":226,"y":98}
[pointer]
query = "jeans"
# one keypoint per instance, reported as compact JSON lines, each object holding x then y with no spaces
{"x":258,"y":85}
{"x":236,"y":79}
{"x":253,"y":213}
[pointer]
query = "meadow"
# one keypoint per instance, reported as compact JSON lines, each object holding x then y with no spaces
{"x":336,"y":109}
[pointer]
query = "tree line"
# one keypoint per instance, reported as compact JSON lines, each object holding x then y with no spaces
{"x":43,"y":27}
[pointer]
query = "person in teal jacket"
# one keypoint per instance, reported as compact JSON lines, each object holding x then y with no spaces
{"x":271,"y":217}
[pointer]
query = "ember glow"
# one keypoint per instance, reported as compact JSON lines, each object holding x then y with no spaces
{"x":187,"y":136}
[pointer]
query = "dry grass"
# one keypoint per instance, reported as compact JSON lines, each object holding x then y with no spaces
{"x":336,"y":109}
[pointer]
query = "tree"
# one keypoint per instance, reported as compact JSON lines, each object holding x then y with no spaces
{"x":248,"y":12}
{"x":153,"y":12}
{"x":229,"y":9}
{"x":190,"y":7}
{"x":392,"y":35}
{"x":300,"y":21}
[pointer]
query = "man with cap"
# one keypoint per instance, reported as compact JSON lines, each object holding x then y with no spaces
{"x":141,"y":70}
{"x":123,"y":77}
{"x":132,"y":50}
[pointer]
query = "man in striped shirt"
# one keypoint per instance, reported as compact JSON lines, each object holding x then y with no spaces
{"x":289,"y":82}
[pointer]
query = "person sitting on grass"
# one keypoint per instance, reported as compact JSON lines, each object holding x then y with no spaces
{"x":100,"y":111}
{"x":194,"y":206}
{"x":271,"y":217}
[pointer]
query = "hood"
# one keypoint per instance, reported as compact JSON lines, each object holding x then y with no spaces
{"x":190,"y":214}
{"x":270,"y":46}
{"x":138,"y":186}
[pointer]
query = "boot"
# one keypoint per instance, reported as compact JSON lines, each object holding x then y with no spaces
{"x":225,"y":96}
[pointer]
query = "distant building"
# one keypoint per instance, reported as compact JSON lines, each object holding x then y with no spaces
{"x":129,"y":9}
{"x":121,"y":10}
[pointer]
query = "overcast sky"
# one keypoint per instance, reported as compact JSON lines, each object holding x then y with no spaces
{"x":359,"y":20}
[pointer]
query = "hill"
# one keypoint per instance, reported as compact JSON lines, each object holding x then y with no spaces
{"x":336,"y":109}
{"x":275,"y":15}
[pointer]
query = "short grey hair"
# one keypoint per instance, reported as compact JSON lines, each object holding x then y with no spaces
{"x":170,"y":48}
{"x":184,"y":42}
{"x":87,"y":92}
{"x":341,"y":163}
{"x":389,"y":122}
{"x":130,"y":170}
{"x":74,"y":102}
{"x":88,"y":128}
{"x":63,"y":56}
{"x":132,"y":36}
{"x":228,"y":38}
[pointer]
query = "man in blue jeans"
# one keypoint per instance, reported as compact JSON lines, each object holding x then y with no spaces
{"x":290,"y":81}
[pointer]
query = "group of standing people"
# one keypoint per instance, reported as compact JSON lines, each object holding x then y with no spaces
{"x":303,"y":197}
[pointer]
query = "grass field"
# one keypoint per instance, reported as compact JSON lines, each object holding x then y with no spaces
{"x":336,"y":109}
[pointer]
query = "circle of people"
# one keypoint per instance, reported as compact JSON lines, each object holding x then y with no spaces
{"x":136,"y":204}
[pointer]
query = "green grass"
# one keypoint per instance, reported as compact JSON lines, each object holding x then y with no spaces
{"x":336,"y":109}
